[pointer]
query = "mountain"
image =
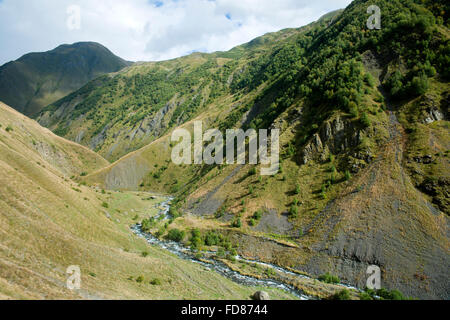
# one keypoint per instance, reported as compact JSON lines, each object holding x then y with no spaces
{"x":118,"y":114}
{"x":50,"y":221}
{"x":37,"y":79}
{"x":364,"y":124}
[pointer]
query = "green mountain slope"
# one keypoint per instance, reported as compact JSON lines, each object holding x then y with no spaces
{"x":365,"y":142}
{"x":120,"y":113}
{"x":37,"y":79}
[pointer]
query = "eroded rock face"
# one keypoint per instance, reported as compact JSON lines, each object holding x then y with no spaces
{"x":271,"y":221}
{"x":152,"y":125}
{"x":99,"y":138}
{"x":433,"y":115}
{"x":334,"y":136}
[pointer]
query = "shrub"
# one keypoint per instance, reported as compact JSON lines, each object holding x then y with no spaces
{"x":369,"y":80}
{"x":196,"y":239}
{"x":83,"y":174}
{"x":212,"y":238}
{"x":365,"y":296}
{"x":331,"y":157}
{"x":252,"y":171}
{"x":221,"y":252}
{"x":353,"y":109}
{"x":383,"y":294}
{"x":147,"y":224}
{"x":293,"y":211}
{"x":237,"y":223}
{"x":144,"y":254}
{"x":257,"y":215}
{"x":105,"y":205}
{"x":333,"y":177}
{"x":219,"y":213}
{"x":231,"y":257}
{"x":323,"y":192}
{"x":344,"y":294}
{"x":348,"y":175}
{"x":270,"y":272}
{"x":175,"y":235}
{"x":365,"y":120}
{"x":333,"y":169}
{"x":328,"y":278}
{"x":174,"y":213}
{"x":9,"y":129}
{"x":419,"y":85}
{"x":155,"y":282}
{"x":140,"y":279}
{"x":390,"y":295}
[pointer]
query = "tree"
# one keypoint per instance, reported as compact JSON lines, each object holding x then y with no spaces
{"x":365,"y":120}
{"x":419,"y":85}
{"x":293,"y":211}
{"x":175,"y":235}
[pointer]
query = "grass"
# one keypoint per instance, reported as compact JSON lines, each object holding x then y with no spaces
{"x":77,"y":232}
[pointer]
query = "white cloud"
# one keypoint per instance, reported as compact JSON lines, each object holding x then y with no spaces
{"x":150,"y":29}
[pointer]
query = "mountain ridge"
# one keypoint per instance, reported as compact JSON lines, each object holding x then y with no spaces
{"x":39,"y":78}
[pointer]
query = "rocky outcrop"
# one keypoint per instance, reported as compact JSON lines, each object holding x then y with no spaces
{"x":433,"y":115}
{"x":335,"y":136}
{"x":432,"y":109}
{"x":261,"y":295}
{"x":99,"y":138}
{"x":153,"y":125}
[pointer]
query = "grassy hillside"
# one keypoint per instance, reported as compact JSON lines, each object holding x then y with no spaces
{"x":365,"y":139}
{"x":37,"y":79}
{"x":49,"y":222}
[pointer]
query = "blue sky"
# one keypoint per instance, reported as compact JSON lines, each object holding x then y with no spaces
{"x":149,"y":30}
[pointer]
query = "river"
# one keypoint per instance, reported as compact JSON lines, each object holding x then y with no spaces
{"x":218,"y":266}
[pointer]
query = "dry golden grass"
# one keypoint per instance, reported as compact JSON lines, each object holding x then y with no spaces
{"x":49,"y":222}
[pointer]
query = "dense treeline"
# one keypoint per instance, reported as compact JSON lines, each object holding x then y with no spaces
{"x":324,"y":65}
